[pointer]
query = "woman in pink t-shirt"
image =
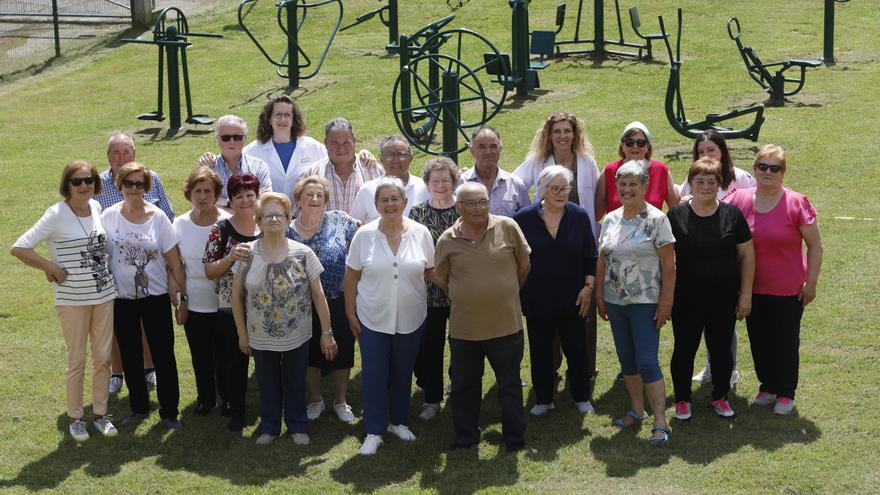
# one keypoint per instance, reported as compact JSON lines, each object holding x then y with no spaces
{"x":635,"y":144}
{"x":785,"y":277}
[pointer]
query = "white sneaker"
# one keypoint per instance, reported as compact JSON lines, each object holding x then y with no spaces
{"x":265,"y":439}
{"x":314,"y":410}
{"x":150,"y":376}
{"x":343,"y":412}
{"x":78,"y":430}
{"x":402,"y":432}
{"x":105,"y":427}
{"x":540,"y":409}
{"x":429,"y":411}
{"x":734,"y":378}
{"x":585,"y":407}
{"x":300,"y":438}
{"x":704,"y":376}
{"x":784,"y":406}
{"x":764,"y":399}
{"x":371,"y":445}
{"x":115,"y":384}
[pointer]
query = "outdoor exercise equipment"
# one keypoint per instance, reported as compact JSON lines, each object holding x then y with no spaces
{"x":675,"y":108}
{"x":170,"y":31}
{"x":291,"y":22}
{"x":828,"y":48}
{"x":599,"y":42}
{"x":774,"y":83}
{"x":390,"y":22}
{"x":440,"y":83}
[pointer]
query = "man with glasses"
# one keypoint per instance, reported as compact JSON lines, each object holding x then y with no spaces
{"x":231,"y":132}
{"x":345,"y":171}
{"x":121,"y":150}
{"x":507,"y":192}
{"x":481,"y":262}
{"x":396,"y":156}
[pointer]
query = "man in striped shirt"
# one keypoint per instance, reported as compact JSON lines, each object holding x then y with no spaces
{"x":345,"y":171}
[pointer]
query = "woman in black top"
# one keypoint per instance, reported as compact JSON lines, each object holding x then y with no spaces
{"x":715,"y":266}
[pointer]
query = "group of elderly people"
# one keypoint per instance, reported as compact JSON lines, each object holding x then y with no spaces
{"x":295,"y":250}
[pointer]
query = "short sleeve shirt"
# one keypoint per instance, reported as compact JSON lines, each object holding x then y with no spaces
{"x":658,"y":184}
{"x":137,"y":252}
{"x":246,"y":165}
{"x":221,"y":241}
{"x":437,"y":220}
{"x":330,"y":244}
{"x":392,"y":290}
{"x":483,"y":283}
{"x":632,"y":265}
{"x":507,"y":194}
{"x":278,"y":300}
{"x":193,"y":237}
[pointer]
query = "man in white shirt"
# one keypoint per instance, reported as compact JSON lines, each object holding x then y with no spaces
{"x":396,"y":156}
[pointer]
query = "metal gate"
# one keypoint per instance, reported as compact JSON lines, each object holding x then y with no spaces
{"x":82,"y":9}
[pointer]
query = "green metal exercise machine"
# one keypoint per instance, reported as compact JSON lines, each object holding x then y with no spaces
{"x":390,"y":22}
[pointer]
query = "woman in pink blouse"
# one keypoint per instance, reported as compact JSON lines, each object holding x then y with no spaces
{"x":781,"y":221}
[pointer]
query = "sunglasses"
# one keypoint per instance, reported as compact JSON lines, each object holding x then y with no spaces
{"x":78,"y":181}
{"x":763,"y":167}
{"x":226,"y":137}
{"x":641,"y":143}
{"x":137,"y":184}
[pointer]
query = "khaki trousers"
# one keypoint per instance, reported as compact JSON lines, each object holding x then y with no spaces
{"x":80,"y":324}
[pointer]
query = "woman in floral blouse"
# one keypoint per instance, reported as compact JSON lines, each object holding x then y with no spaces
{"x":272,"y":296}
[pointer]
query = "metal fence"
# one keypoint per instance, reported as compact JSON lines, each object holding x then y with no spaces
{"x":35,"y":32}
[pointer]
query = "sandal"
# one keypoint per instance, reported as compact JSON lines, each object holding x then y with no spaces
{"x":621,"y":422}
{"x":660,"y":440}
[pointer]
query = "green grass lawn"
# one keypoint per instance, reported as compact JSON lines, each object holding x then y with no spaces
{"x":829,"y":132}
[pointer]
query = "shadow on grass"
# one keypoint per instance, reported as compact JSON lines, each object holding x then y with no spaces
{"x":701,"y":440}
{"x":158,"y":134}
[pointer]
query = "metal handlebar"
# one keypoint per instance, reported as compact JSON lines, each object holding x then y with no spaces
{"x":730,"y":23}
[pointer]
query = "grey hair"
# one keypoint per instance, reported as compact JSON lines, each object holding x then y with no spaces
{"x":548,"y":175}
{"x":392,"y":139}
{"x":634,"y":168}
{"x":386,"y":182}
{"x":469,"y":184}
{"x":336,"y":124}
{"x":487,"y":128}
{"x":440,"y":164}
{"x":119,"y":136}
{"x":230,"y":120}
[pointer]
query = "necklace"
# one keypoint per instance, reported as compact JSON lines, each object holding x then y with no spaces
{"x":83,"y":227}
{"x":309,"y":227}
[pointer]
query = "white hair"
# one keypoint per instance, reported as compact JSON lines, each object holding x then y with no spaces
{"x":550,"y":174}
{"x":231,"y":120}
{"x":386,"y":182}
{"x":634,"y":168}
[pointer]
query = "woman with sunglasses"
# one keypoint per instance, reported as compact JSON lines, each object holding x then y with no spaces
{"x":143,"y":253}
{"x":711,"y":144}
{"x":635,"y":144}
{"x":782,"y":221}
{"x":84,"y":288}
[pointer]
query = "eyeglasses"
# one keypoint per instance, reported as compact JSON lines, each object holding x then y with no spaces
{"x":641,"y":143}
{"x":78,"y":181}
{"x":137,"y":184}
{"x":400,"y":155}
{"x":440,"y":182}
{"x":482,"y":203}
{"x":763,"y":167}
{"x":282,"y":116}
{"x":237,"y":137}
{"x":558,"y":190}
{"x":274,"y":216}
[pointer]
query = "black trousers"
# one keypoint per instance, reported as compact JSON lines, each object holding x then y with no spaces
{"x":775,"y":338}
{"x":429,"y":363}
{"x":690,"y":320}
{"x":205,"y":348}
{"x":466,"y":372}
{"x":233,"y":362}
{"x":572,"y":338}
{"x":155,"y":313}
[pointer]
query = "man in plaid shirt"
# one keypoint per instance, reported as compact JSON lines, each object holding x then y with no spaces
{"x":120,"y":150}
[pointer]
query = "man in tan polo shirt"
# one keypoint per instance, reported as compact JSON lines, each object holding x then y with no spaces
{"x":481,"y":262}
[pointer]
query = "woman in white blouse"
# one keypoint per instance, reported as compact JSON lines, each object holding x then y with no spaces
{"x":143,"y":251}
{"x":84,"y":288}
{"x":201,"y":188}
{"x":385,"y":293}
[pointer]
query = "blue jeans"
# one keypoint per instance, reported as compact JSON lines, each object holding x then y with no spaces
{"x":282,"y":379}
{"x":636,"y":339}
{"x":387,"y":363}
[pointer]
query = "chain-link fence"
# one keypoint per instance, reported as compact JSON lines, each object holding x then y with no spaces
{"x":35,"y":32}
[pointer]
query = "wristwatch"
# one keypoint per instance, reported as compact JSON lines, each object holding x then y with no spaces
{"x":328,"y":332}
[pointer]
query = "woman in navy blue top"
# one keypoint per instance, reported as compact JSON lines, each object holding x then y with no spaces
{"x":557,"y":293}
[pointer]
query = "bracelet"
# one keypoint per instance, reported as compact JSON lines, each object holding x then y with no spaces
{"x":590,"y":286}
{"x":328,"y":332}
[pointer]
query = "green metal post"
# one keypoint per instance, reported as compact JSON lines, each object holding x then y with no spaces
{"x":451,"y":114}
{"x":777,"y":90}
{"x":292,"y":47}
{"x":173,"y":78}
{"x":55,"y":28}
{"x":392,"y":25}
{"x":599,"y":29}
{"x":519,"y":44}
{"x":405,"y":85}
{"x":828,"y":53}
